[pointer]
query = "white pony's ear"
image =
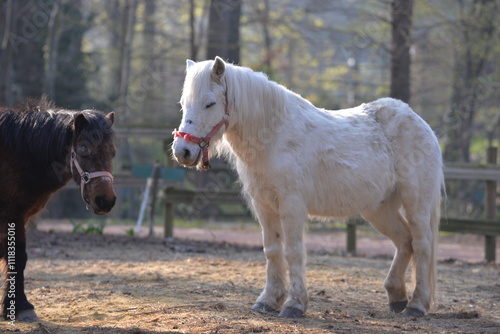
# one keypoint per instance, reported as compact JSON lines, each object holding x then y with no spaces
{"x":218,"y":69}
{"x":189,"y":63}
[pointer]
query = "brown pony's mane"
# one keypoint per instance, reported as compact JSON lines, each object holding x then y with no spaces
{"x":43,"y":132}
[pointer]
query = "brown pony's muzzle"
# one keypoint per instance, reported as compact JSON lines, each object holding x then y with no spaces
{"x":103,"y":204}
{"x":100,"y":195}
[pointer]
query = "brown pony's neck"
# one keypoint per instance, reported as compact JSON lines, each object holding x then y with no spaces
{"x":39,"y":140}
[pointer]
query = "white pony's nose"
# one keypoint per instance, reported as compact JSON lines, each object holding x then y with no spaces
{"x":184,"y":154}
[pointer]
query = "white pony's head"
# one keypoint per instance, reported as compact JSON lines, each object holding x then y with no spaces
{"x":204,"y":112}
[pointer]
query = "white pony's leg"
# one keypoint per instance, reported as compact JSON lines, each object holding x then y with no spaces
{"x":273,"y":295}
{"x":293,"y":215}
{"x":387,"y":219}
{"x":422,"y":240}
{"x":422,"y":214}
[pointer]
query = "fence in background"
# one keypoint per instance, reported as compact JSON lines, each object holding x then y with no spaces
{"x":488,"y":227}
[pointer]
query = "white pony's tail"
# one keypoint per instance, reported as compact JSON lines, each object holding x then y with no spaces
{"x":435,"y":219}
{"x":434,"y":224}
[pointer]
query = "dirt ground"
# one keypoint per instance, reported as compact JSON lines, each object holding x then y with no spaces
{"x":118,"y":284}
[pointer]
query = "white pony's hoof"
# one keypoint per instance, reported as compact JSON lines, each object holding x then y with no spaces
{"x":413,"y":313}
{"x":27,"y":316}
{"x":290,"y":312}
{"x":398,"y":307}
{"x":261,"y":307}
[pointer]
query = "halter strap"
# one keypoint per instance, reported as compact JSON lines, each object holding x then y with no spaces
{"x":204,"y":142}
{"x":85,"y":177}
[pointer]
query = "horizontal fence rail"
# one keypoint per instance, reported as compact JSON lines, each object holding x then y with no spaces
{"x":473,"y":173}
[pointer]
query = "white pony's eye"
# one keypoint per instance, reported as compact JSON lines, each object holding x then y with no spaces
{"x":209,"y":105}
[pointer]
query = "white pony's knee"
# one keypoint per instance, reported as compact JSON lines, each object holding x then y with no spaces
{"x":422,"y":249}
{"x":396,"y":289}
{"x":274,"y":252}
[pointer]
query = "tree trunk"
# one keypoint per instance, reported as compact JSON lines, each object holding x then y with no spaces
{"x":6,"y":62}
{"x":223,"y":30}
{"x":193,"y":46}
{"x":27,"y":47}
{"x":267,"y":38}
{"x":217,"y":30}
{"x":114,"y":12}
{"x":126,"y":37}
{"x":233,"y":33}
{"x":401,"y":13}
{"x":149,"y":29}
{"x":52,"y":44}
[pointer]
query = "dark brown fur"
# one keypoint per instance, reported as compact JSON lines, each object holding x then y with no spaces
{"x":35,"y":145}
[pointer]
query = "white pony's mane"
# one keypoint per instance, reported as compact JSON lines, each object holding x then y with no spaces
{"x":255,"y":101}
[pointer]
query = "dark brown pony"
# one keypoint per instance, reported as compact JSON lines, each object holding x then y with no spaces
{"x":41,"y":149}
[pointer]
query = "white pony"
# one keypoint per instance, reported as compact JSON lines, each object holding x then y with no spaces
{"x":380,"y":160}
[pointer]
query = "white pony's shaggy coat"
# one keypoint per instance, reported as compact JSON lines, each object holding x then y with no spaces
{"x":380,"y":160}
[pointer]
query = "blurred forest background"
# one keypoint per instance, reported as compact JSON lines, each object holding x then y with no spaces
{"x":441,"y":56}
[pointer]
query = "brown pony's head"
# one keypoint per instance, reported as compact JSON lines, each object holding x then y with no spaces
{"x":92,"y":151}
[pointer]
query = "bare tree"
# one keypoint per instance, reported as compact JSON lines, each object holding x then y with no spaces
{"x":223,"y":30}
{"x":267,"y":36}
{"x":149,"y":29}
{"x":476,"y":28}
{"x":125,"y":47}
{"x":22,"y":42}
{"x":6,"y":61}
{"x":193,"y":46}
{"x":53,"y":35}
{"x":401,"y":14}
{"x":233,"y":33}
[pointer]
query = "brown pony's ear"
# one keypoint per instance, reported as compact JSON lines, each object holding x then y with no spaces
{"x":79,"y":123}
{"x":111,"y":117}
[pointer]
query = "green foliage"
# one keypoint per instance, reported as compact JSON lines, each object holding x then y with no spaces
{"x":77,"y":227}
{"x":89,"y":228}
{"x":194,"y":223}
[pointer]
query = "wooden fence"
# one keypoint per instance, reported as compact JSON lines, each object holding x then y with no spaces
{"x":488,"y":227}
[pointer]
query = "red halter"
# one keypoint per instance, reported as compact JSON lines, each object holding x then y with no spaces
{"x":204,"y":142}
{"x":86,"y":176}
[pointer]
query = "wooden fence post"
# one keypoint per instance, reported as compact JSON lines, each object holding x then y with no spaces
{"x":152,"y":203}
{"x":168,"y":208}
{"x":491,"y":193}
{"x":351,"y":236}
{"x":351,"y":226}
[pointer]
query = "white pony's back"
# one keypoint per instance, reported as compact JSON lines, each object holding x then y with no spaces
{"x":330,"y":156}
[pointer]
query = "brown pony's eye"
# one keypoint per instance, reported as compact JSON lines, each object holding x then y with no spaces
{"x":83,"y":150}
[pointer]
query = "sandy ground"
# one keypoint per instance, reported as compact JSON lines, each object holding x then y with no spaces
{"x":118,"y":284}
{"x":461,"y":247}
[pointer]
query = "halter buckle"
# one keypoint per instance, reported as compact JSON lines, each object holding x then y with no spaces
{"x":86,"y":177}
{"x":203,"y":143}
